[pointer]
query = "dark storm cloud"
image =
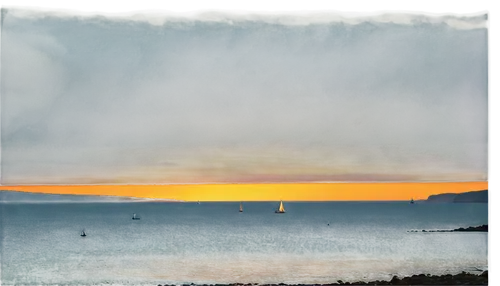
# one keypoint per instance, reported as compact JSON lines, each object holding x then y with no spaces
{"x":75,"y":87}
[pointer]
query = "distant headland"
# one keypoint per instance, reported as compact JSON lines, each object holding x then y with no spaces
{"x":24,"y":197}
{"x":468,"y":197}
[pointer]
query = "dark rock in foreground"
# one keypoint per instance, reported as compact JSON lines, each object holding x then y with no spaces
{"x":421,"y":279}
{"x":481,"y":228}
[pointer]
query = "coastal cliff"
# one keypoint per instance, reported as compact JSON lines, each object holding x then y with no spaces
{"x":468,"y":197}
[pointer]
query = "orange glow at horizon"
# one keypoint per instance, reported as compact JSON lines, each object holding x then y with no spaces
{"x":264,"y":192}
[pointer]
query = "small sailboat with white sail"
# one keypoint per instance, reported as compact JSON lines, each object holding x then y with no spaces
{"x":241,"y":207}
{"x":281,"y":209}
{"x":135,"y":217}
{"x":83,"y":234}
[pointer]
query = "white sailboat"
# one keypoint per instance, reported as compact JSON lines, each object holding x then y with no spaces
{"x":281,"y":209}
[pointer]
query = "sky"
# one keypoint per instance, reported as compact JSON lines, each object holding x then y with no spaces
{"x":226,"y":98}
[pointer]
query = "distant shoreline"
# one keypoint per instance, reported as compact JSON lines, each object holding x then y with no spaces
{"x":96,"y":198}
{"x":463,"y":278}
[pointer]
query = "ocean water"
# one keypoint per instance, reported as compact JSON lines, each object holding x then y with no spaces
{"x":214,"y":243}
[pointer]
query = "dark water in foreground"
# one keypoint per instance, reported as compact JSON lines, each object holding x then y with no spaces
{"x":214,"y":243}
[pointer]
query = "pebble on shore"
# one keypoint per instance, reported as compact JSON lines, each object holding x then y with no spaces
{"x":421,"y":279}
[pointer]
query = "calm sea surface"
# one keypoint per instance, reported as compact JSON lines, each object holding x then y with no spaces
{"x":214,"y":243}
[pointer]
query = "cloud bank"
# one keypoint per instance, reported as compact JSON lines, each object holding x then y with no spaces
{"x":242,"y":98}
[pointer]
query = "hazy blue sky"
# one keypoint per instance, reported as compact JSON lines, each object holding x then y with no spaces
{"x":225,"y":98}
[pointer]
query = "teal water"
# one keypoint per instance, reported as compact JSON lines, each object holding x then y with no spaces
{"x":214,"y":243}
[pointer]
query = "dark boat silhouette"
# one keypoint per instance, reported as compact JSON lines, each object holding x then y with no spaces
{"x":135,"y":217}
{"x":83,"y":234}
{"x":412,"y":201}
{"x":241,"y":207}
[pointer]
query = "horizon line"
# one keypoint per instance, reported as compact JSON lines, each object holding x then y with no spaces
{"x":218,"y":201}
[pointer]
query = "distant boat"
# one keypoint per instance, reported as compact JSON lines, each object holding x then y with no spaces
{"x":198,"y":202}
{"x":241,"y":207}
{"x":83,"y":234}
{"x":281,"y":209}
{"x":135,"y":217}
{"x":412,"y":201}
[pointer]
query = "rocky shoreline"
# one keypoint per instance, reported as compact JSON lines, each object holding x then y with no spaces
{"x":481,"y":228}
{"x":421,"y":279}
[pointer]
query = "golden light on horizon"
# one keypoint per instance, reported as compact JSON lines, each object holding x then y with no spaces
{"x":265,"y":192}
